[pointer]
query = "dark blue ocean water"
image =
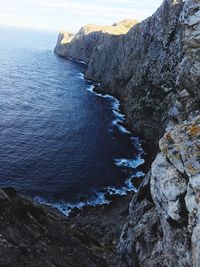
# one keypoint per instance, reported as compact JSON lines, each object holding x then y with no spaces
{"x":58,"y":140}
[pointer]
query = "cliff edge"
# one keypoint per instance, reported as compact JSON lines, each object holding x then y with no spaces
{"x":154,"y":69}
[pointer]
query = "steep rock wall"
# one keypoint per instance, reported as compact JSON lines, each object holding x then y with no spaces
{"x":163,"y":225}
{"x":148,"y":67}
{"x":155,"y":70}
{"x":80,"y":46}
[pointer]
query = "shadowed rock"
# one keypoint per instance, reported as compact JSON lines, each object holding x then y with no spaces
{"x":34,"y":235}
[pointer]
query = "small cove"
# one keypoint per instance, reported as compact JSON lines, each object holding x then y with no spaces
{"x":60,"y":143}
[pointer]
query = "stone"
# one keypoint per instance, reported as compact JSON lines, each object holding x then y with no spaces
{"x":3,"y":196}
{"x":183,"y":94}
{"x":34,"y":235}
{"x":175,"y":190}
{"x":173,"y":112}
{"x":196,"y":246}
{"x":167,"y":187}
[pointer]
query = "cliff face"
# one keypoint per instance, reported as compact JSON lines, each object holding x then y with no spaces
{"x":163,"y":226}
{"x":143,"y":69}
{"x":148,"y":67}
{"x":81,"y":45}
{"x":155,"y":70}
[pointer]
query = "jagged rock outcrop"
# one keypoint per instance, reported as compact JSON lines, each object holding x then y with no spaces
{"x":162,"y":230}
{"x":175,"y":173}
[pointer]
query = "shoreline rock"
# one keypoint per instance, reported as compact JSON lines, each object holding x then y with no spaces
{"x":35,"y":235}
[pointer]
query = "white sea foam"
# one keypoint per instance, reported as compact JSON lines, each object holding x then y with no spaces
{"x":117,"y":123}
{"x":128,"y":186}
{"x":123,"y":129}
{"x":137,"y":142}
{"x":80,"y":76}
{"x":124,"y":190}
{"x":98,"y":199}
{"x":119,"y":115}
{"x":138,"y":174}
{"x":90,"y":88}
{"x":76,"y":60}
{"x":118,"y":191}
{"x":66,"y":207}
{"x":129,"y":163}
{"x":116,"y":104}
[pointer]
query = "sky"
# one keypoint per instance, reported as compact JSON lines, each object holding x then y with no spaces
{"x":70,"y":15}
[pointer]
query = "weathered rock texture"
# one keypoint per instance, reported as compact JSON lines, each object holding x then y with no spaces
{"x":155,"y":70}
{"x":32,"y":236}
{"x":163,"y":225}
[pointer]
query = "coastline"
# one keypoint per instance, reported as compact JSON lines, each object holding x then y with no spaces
{"x":145,"y":83}
{"x":134,"y":178}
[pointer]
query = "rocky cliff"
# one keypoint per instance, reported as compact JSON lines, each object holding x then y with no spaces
{"x":163,"y":224}
{"x":148,"y":67}
{"x":155,"y":71}
{"x":81,"y":45}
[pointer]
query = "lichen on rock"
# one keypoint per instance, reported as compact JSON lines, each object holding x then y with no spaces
{"x":174,"y":185}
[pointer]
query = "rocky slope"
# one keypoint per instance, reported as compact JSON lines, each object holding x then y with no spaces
{"x":155,"y":71}
{"x":33,"y":235}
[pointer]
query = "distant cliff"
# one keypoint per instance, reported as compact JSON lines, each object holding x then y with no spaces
{"x":154,"y":69}
{"x":81,"y":45}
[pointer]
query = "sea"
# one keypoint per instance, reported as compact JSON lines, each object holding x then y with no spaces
{"x":61,"y":143}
